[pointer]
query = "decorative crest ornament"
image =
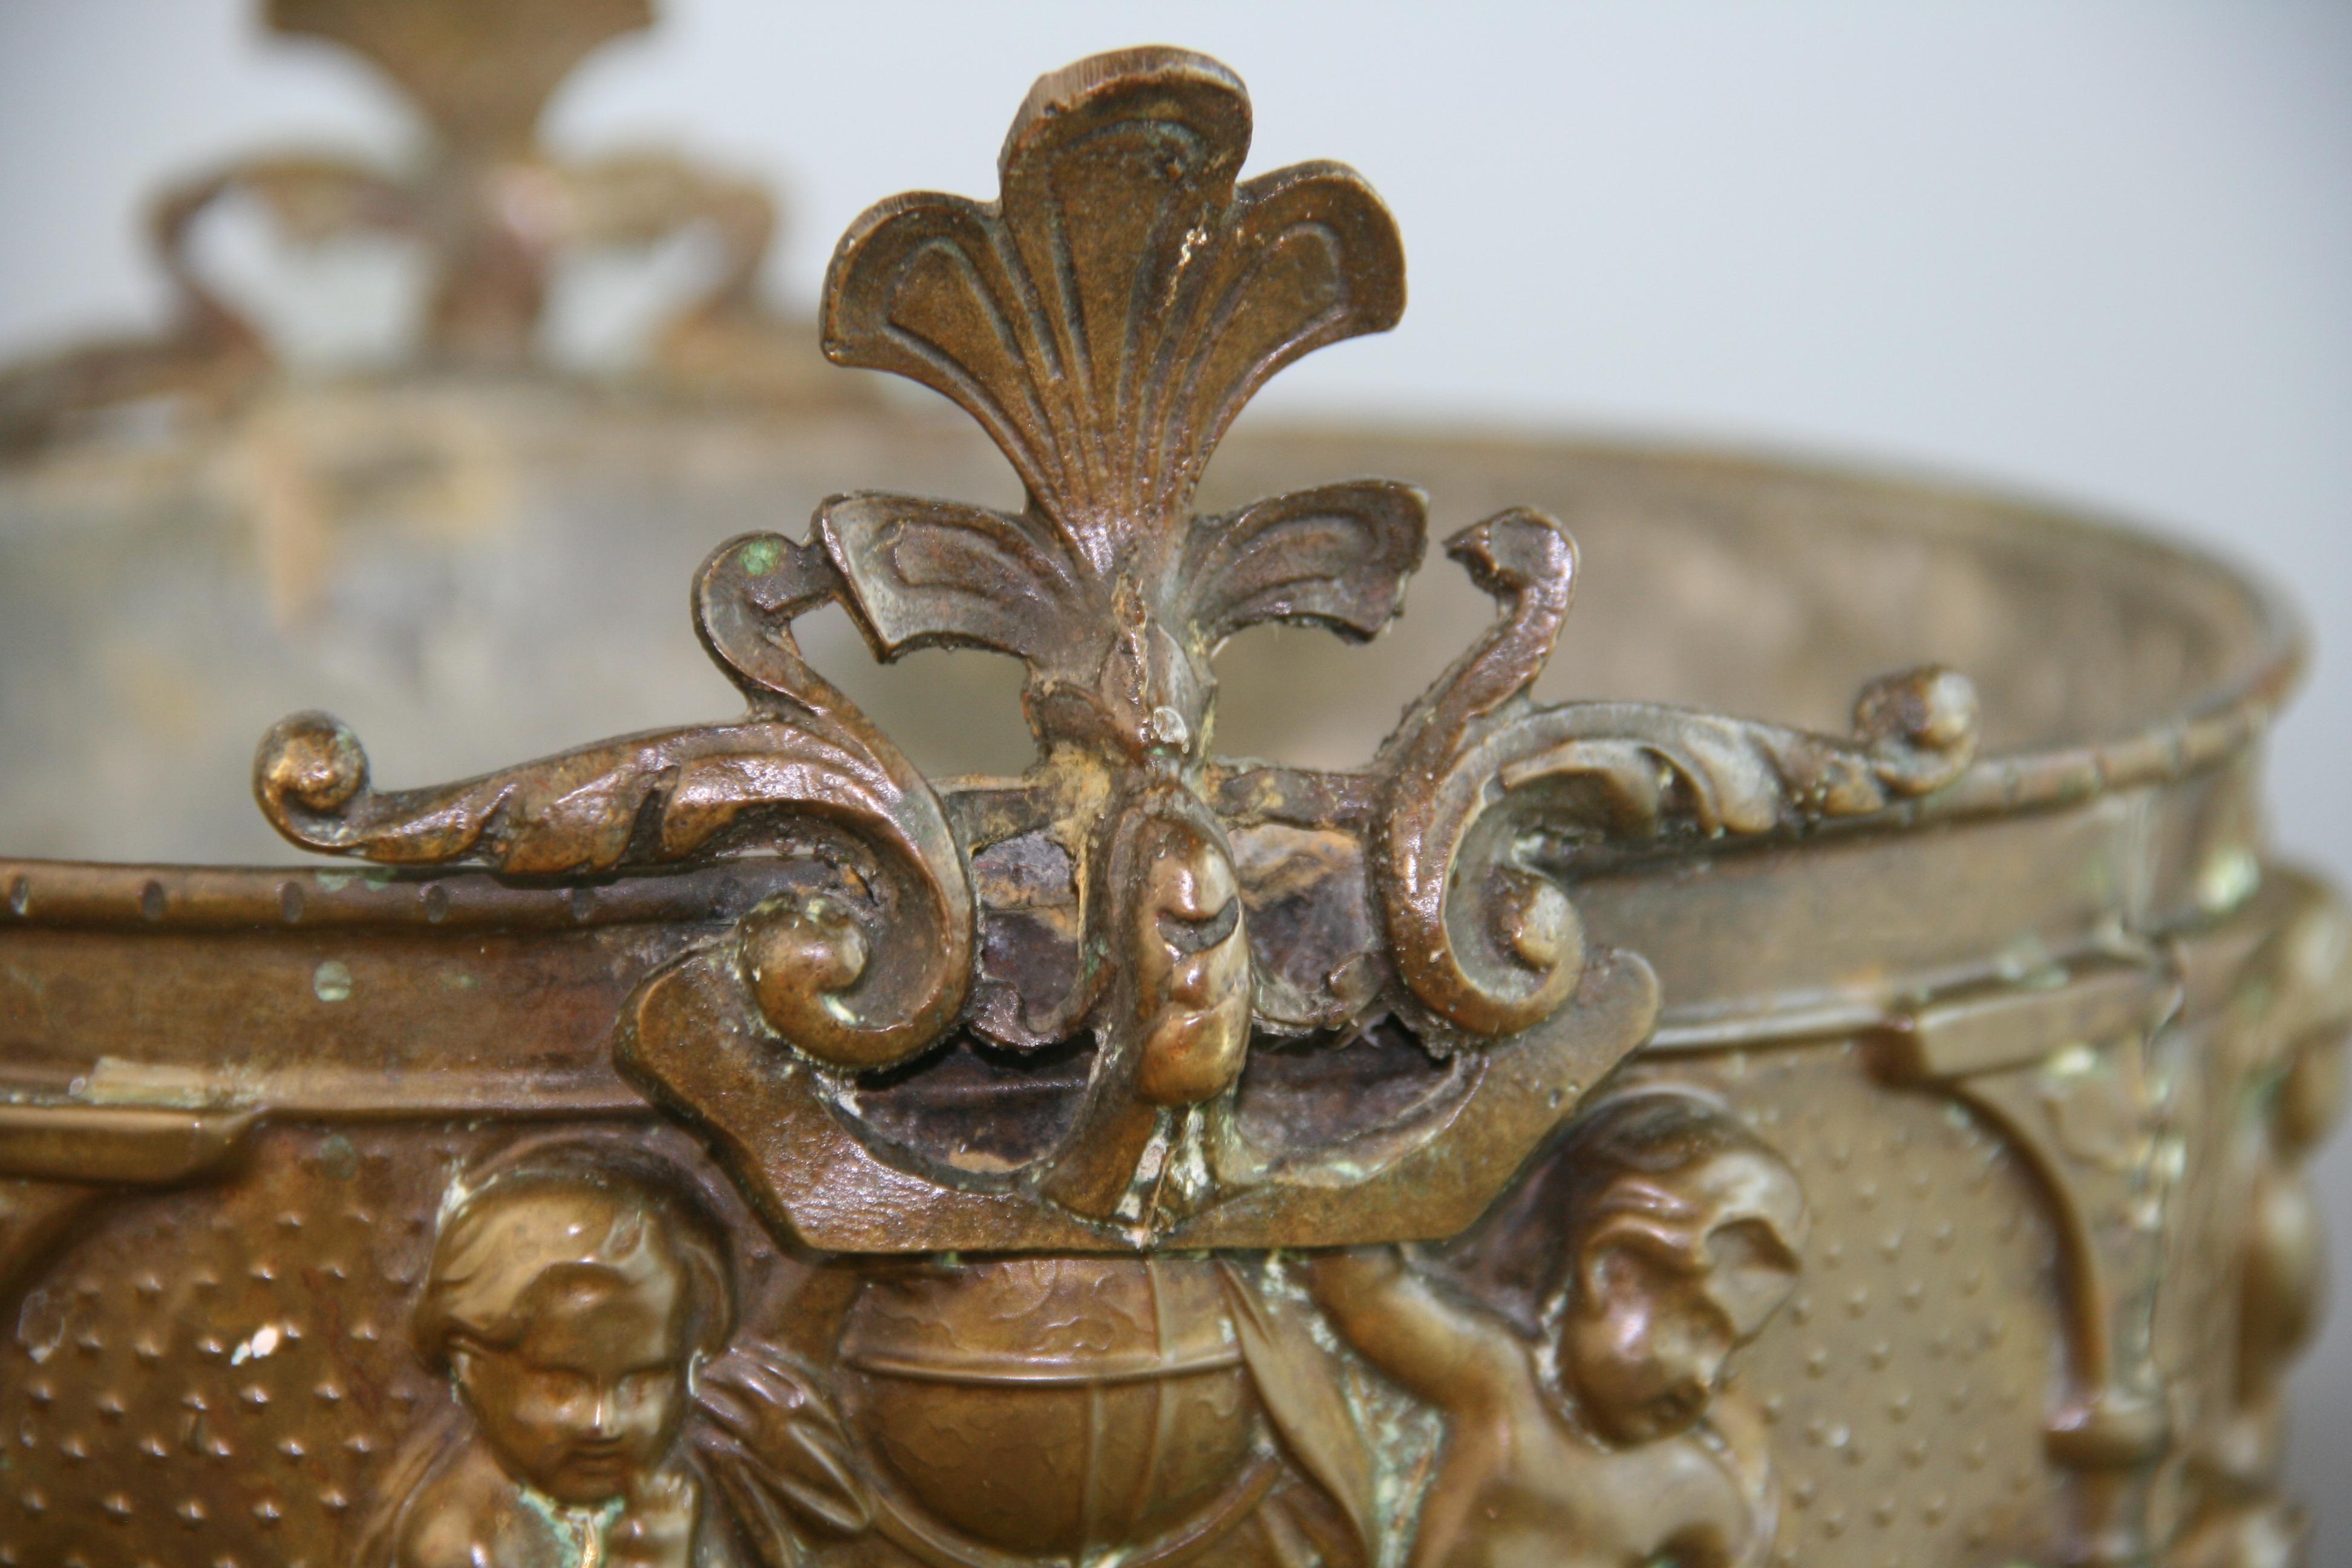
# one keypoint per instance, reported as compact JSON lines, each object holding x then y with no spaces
{"x":1132,"y":898}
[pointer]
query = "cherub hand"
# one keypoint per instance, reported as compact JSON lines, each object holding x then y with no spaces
{"x":658,"y":1523}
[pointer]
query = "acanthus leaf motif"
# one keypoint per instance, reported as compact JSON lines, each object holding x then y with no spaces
{"x":1337,"y":556}
{"x":802,"y":772}
{"x":937,"y":574}
{"x":1492,"y":797}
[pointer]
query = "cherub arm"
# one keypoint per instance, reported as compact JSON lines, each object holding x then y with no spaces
{"x":451,"y":1520}
{"x":438,"y":1545}
{"x":1746,"y":1450}
{"x":1451,"y":1356}
{"x":778,"y":1462}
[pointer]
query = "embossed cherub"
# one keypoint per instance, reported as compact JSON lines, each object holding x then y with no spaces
{"x":568,"y":1303}
{"x":1609,"y":1441}
{"x":580,"y":1302}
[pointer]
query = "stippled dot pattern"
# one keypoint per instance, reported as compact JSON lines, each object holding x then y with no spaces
{"x":218,"y":1376}
{"x":221,"y":1376}
{"x":212,"y":1377}
{"x":1906,"y":1379}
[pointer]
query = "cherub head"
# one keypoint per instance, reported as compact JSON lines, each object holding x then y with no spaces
{"x":1681,"y":1238}
{"x":570,"y":1300}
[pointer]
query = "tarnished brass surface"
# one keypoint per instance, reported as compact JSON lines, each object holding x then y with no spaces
{"x":1588,"y":1131}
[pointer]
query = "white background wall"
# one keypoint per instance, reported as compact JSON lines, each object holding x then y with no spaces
{"x":2101,"y":249}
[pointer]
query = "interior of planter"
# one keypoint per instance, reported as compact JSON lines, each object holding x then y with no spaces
{"x":476,"y":572}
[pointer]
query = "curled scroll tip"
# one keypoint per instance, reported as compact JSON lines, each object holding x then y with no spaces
{"x":1921,"y":726}
{"x":1516,"y":550}
{"x":308,"y":767}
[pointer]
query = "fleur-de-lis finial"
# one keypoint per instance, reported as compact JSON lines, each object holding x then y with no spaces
{"x":1105,"y":320}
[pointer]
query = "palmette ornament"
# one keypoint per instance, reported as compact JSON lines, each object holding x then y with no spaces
{"x":1595,"y":1132}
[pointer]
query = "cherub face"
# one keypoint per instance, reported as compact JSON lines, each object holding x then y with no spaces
{"x":1679,"y":1270}
{"x":591,"y":1396}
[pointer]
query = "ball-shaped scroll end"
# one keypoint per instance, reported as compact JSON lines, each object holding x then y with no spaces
{"x":1921,"y":724}
{"x":310,"y":764}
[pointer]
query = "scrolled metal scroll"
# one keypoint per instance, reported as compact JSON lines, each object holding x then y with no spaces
{"x":802,"y":772}
{"x":1512,"y":952}
{"x":1654,"y":772}
{"x":1489,"y":795}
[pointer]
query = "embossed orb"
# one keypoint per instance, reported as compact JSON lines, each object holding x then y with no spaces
{"x":1056,"y":1406}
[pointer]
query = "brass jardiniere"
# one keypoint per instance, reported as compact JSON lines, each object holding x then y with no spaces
{"x":1598,"y":1131}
